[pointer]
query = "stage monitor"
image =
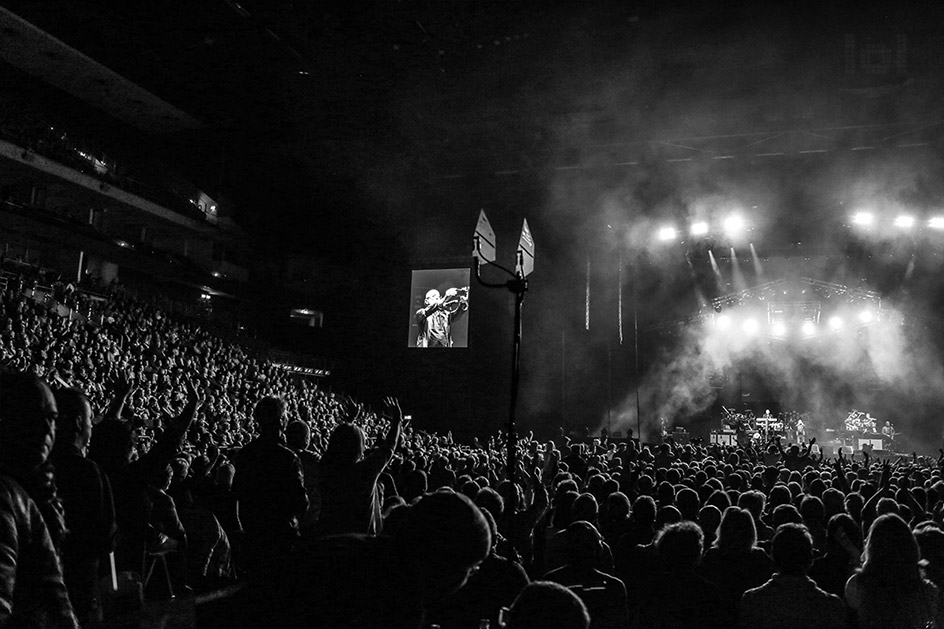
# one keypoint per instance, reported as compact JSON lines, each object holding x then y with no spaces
{"x":439,"y":308}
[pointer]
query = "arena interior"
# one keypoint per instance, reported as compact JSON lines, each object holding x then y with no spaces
{"x":399,"y":313}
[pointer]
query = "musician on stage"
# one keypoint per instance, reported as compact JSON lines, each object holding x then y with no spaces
{"x":436,"y":316}
{"x":800,"y":430}
{"x":888,"y":431}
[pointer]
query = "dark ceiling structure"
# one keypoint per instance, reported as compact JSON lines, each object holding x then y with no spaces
{"x":365,"y":109}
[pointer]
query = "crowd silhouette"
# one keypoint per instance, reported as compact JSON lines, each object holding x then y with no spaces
{"x":144,"y":457}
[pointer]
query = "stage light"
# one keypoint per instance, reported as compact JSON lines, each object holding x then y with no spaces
{"x":667,"y":233}
{"x":700,"y":228}
{"x":779,"y":329}
{"x":865,"y":316}
{"x":936,"y":223}
{"x":863,"y":218}
{"x":905,"y":222}
{"x":808,"y":328}
{"x":733,"y":225}
{"x":835,"y":323}
{"x":723,"y":321}
{"x":750,"y":326}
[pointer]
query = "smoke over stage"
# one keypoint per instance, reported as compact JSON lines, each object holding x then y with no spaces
{"x":797,"y":358}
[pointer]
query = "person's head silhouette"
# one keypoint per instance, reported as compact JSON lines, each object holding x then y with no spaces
{"x":546,"y":605}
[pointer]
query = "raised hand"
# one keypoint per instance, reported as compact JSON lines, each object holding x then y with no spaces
{"x":193,"y":396}
{"x":393,"y":406}
{"x":886,"y":474}
{"x":350,"y":410}
{"x":122,"y":382}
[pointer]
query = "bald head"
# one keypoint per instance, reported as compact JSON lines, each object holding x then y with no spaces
{"x":27,"y":423}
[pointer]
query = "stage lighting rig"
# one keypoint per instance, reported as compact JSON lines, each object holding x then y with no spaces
{"x":699,"y":228}
{"x":734,"y":225}
{"x":863,"y":219}
{"x":667,"y":233}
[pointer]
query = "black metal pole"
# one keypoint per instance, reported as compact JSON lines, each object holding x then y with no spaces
{"x":636,"y":353}
{"x":636,"y":344}
{"x":517,"y":286}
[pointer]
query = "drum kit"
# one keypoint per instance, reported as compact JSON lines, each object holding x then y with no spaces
{"x":857,"y":421}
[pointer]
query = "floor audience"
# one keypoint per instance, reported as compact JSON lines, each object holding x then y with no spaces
{"x":148,"y":435}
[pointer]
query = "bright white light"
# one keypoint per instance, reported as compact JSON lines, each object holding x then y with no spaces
{"x":865,"y":316}
{"x":936,"y":223}
{"x":750,"y":326}
{"x":723,"y":321}
{"x":808,"y":328}
{"x":215,"y":273}
{"x":863,"y":218}
{"x":700,"y":228}
{"x":733,"y":225}
{"x":779,"y":329}
{"x":667,"y":233}
{"x":835,"y":323}
{"x":904,"y":221}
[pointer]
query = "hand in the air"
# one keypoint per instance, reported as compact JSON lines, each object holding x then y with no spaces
{"x":393,"y":405}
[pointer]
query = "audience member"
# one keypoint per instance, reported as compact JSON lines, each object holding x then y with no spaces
{"x":270,"y":491}
{"x":87,"y":502}
{"x":32,"y":589}
{"x":791,"y":599}
{"x":350,"y":495}
{"x":546,"y":605}
{"x":679,"y":597}
{"x":603,"y":594}
{"x":842,"y":555}
{"x":735,"y":563}
{"x":492,"y":587}
{"x":889,"y":590}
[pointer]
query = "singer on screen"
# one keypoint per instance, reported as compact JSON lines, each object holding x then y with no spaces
{"x":436,"y":316}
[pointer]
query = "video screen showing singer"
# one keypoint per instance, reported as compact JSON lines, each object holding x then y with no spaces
{"x":439,"y":312}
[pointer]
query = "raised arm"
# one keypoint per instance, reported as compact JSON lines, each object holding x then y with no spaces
{"x":396,"y":422}
{"x":122,"y":390}
{"x":809,"y":447}
{"x":179,"y":425}
{"x":868,"y":509}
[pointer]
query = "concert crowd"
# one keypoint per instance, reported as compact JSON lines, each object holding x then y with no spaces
{"x":146,"y":457}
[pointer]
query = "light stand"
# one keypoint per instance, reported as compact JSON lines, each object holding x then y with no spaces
{"x":484,"y":248}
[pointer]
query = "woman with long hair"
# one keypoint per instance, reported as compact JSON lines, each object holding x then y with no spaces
{"x":734,"y":562}
{"x":889,"y":591}
{"x":842,"y":556}
{"x":350,"y":496}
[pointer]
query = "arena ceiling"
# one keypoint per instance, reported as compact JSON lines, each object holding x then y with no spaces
{"x":377,"y":111}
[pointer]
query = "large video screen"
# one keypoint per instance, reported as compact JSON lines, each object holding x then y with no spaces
{"x":439,"y":314}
